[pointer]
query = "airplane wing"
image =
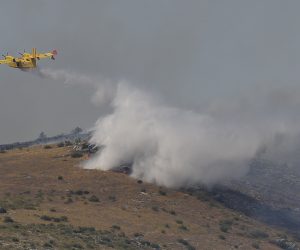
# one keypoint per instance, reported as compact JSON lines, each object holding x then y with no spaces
{"x":4,"y":62}
{"x":46,"y":55}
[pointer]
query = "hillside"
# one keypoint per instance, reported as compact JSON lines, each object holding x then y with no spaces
{"x":49,"y":202}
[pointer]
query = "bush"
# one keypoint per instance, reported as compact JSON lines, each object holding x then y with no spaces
{"x":63,"y":218}
{"x":8,"y":219}
{"x":2,"y":151}
{"x":183,"y":227}
{"x":60,"y":178}
{"x":222,"y":237}
{"x":162,"y":192}
{"x":2,"y":210}
{"x":155,"y":208}
{"x":46,"y":218}
{"x":258,"y":234}
{"x":112,"y":198}
{"x":255,"y":245}
{"x":139,"y":181}
{"x":202,"y":196}
{"x":69,"y":200}
{"x":79,"y":192}
{"x":116,"y":227}
{"x":47,"y":245}
{"x":54,"y":219}
{"x":94,"y":198}
{"x":47,"y":147}
{"x":76,"y":155}
{"x":186,"y":244}
{"x":60,"y":145}
{"x":68,"y":143}
{"x":172,"y":212}
{"x":225,"y":225}
{"x":138,"y":235}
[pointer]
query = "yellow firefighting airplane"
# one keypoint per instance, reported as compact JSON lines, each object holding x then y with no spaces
{"x":27,"y":60}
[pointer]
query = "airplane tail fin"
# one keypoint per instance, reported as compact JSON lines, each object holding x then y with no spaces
{"x":34,"y":53}
{"x":34,"y":57}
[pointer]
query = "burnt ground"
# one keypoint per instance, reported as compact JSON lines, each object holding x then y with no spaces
{"x":269,"y":193}
{"x":282,"y":217}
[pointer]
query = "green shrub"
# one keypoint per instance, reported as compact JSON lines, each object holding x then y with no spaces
{"x":78,"y":192}
{"x":255,"y":245}
{"x":112,"y":198}
{"x":60,"y":145}
{"x":116,"y":227}
{"x":8,"y":219}
{"x":258,"y":234}
{"x":225,"y":225}
{"x":76,"y":155}
{"x":69,"y":200}
{"x":68,"y":143}
{"x":46,"y":218}
{"x":54,"y":219}
{"x":186,"y":244}
{"x":94,"y":198}
{"x":138,"y":235}
{"x":155,"y":208}
{"x":172,"y":212}
{"x":162,"y":192}
{"x":183,"y":227}
{"x":222,"y":237}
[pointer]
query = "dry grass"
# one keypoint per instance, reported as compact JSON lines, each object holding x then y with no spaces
{"x":37,"y":184}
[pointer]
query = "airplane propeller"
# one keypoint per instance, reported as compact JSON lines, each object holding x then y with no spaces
{"x":22,"y":53}
{"x":5,"y":55}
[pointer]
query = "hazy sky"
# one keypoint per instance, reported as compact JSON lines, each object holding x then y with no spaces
{"x":190,"y":52}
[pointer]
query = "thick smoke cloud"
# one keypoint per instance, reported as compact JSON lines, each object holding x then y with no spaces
{"x":212,"y":84}
{"x":176,"y":147}
{"x":173,"y":146}
{"x":169,"y":146}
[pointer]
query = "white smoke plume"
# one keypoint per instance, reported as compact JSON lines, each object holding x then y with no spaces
{"x":176,"y":147}
{"x":169,"y":146}
{"x":104,"y":89}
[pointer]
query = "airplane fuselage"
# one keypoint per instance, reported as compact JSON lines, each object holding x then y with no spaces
{"x":26,"y":63}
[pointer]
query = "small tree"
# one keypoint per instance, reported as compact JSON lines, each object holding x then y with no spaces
{"x":42,"y":136}
{"x":76,"y":131}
